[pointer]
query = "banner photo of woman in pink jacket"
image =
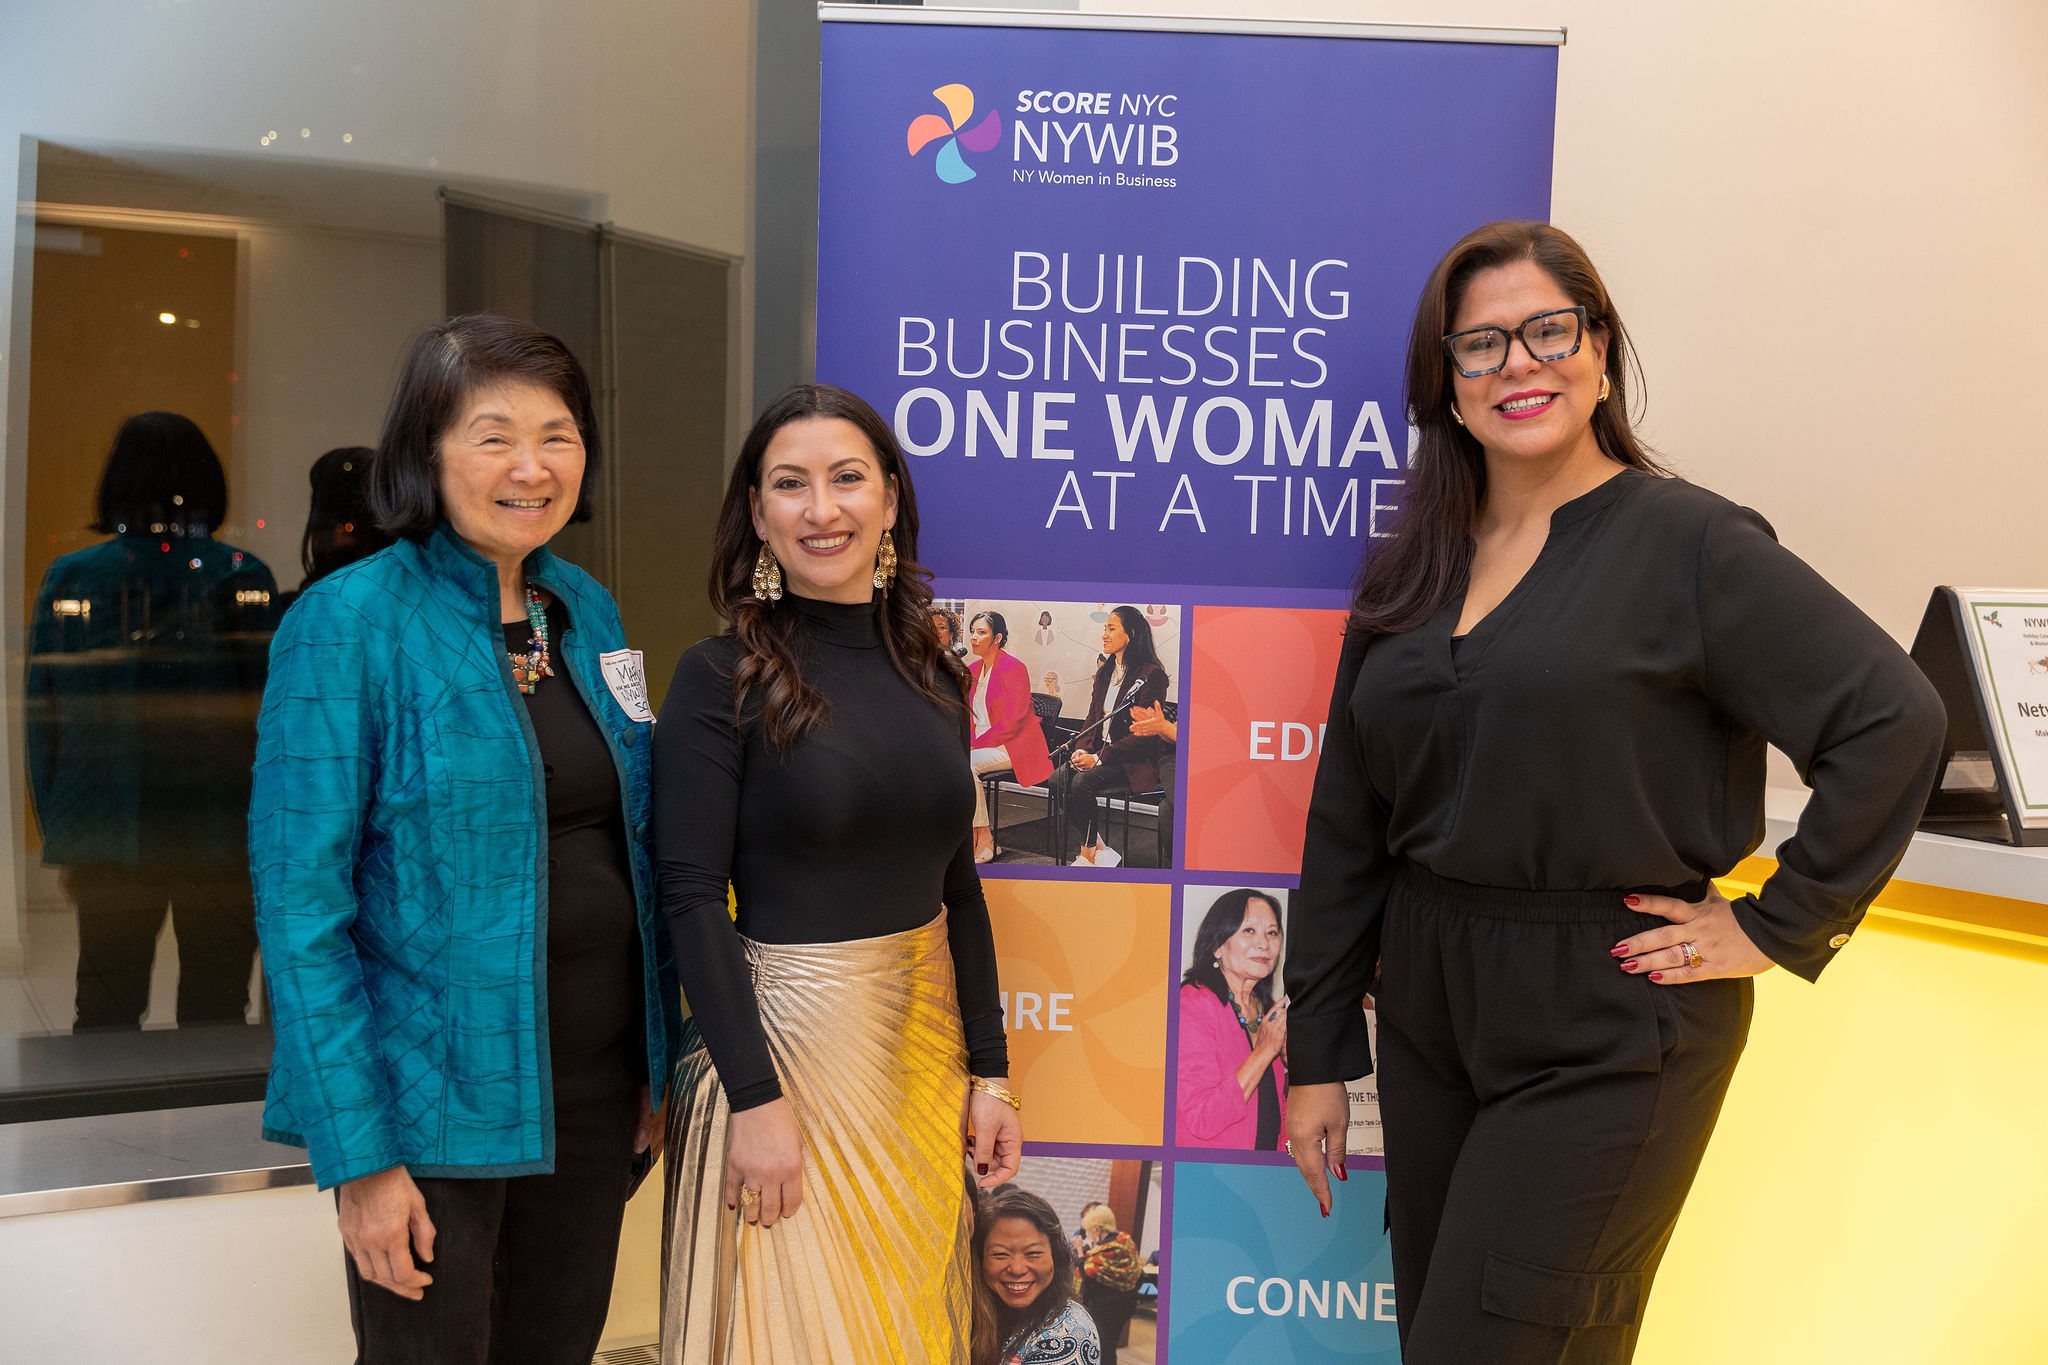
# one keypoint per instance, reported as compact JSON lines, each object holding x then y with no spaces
{"x":1007,"y":731}
{"x":1231,"y":1080}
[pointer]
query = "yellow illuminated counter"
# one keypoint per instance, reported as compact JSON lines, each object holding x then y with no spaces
{"x":1877,"y":1191}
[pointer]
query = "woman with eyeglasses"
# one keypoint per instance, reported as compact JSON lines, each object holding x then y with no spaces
{"x":1546,"y":738}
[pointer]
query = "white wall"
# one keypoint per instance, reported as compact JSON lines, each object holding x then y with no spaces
{"x":229,"y":1277}
{"x":1864,"y":189}
{"x":318,"y":303}
{"x":639,"y":105}
{"x":641,"y":100}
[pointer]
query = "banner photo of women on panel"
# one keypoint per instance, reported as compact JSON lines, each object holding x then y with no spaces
{"x":1076,"y":731}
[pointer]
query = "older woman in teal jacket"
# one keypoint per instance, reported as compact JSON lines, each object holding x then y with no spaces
{"x":473,"y":1005}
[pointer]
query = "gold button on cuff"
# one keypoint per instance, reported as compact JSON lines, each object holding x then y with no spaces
{"x":1838,"y":940}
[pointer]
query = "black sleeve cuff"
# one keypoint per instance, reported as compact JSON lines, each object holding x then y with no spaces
{"x":1806,"y":955}
{"x":753,"y":1096}
{"x":1323,"y":1049}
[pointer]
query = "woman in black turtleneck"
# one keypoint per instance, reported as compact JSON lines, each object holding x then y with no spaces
{"x":815,"y":759}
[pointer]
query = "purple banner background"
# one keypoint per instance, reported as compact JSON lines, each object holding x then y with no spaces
{"x":1371,"y":156}
{"x":1308,"y":183}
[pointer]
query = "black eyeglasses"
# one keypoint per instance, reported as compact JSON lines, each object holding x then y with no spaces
{"x":1545,"y":336}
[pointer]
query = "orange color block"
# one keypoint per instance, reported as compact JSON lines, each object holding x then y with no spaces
{"x":1259,"y":692}
{"x":1085,"y":971}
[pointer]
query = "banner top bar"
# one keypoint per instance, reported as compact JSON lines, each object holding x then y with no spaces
{"x":1185,"y":23}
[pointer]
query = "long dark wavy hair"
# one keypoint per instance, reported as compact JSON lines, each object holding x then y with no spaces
{"x":996,"y":1324}
{"x":1138,"y":648}
{"x":768,"y":676}
{"x":1223,"y":921}
{"x":1429,"y":559}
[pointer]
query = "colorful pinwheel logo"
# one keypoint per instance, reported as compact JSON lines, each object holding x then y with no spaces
{"x":929,"y":128}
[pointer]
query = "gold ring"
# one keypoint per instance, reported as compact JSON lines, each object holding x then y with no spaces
{"x":748,"y":1195}
{"x":1692,"y":955}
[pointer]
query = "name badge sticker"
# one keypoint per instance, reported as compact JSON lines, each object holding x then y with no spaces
{"x":627,"y":679}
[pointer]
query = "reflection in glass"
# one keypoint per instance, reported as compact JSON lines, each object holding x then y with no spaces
{"x":339,"y":528}
{"x":147,"y":656}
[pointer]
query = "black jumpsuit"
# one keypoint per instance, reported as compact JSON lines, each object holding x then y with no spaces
{"x":1482,"y":806}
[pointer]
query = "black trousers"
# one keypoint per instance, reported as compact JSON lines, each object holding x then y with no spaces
{"x":1111,"y":1309}
{"x":522,"y":1266}
{"x":1545,"y":1113}
{"x":120,"y":911}
{"x":1077,"y":788}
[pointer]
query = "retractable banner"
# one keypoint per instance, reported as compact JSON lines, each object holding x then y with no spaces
{"x":1135,"y":296}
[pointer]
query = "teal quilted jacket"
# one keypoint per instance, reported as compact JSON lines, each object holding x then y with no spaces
{"x":398,"y":845}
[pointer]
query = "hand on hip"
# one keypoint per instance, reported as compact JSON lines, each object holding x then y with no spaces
{"x":1703,"y":942}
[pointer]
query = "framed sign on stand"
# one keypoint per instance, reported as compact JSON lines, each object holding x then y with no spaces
{"x":1986,"y":652}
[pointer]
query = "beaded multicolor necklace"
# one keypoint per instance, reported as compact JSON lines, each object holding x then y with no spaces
{"x":529,"y":668}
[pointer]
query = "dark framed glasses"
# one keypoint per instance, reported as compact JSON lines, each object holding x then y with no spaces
{"x":1545,"y":336}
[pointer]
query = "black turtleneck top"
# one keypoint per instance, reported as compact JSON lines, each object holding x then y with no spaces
{"x":863,"y":828}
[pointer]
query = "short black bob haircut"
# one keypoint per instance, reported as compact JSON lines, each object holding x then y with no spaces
{"x":449,"y":362}
{"x":161,"y":475}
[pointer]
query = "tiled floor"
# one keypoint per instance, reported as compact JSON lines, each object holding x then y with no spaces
{"x":19,"y":1017}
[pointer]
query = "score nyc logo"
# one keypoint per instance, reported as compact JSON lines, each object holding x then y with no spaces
{"x":1102,"y":132}
{"x":926,"y":129}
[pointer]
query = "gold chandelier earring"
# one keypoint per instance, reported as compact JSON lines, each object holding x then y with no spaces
{"x":885,"y":562}
{"x":768,"y":576}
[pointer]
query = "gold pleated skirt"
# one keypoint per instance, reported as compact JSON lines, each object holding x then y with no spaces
{"x":873,"y":1269}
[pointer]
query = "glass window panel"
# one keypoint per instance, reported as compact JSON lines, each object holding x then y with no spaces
{"x":265,"y":302}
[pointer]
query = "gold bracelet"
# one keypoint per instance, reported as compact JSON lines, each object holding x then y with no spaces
{"x":1009,"y":1097}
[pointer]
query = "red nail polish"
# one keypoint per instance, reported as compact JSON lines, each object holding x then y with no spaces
{"x":1631,"y":965}
{"x":1618,"y":950}
{"x":1325,"y":1208}
{"x":1631,"y":901}
{"x":1656,"y":976}
{"x":1341,"y":1175}
{"x":981,"y":1168}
